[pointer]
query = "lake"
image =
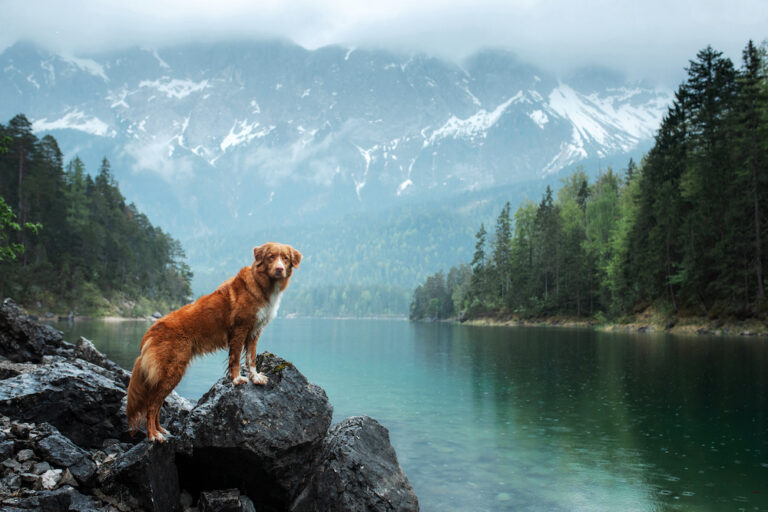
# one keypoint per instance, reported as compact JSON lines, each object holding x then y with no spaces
{"x":532,"y":419}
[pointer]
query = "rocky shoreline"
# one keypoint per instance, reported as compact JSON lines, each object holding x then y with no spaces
{"x":65,"y":444}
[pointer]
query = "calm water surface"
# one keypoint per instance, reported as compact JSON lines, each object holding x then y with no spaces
{"x":532,"y":419}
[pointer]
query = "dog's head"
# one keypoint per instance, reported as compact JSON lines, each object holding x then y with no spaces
{"x":276,"y":260}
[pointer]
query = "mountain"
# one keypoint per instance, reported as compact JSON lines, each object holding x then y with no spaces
{"x":228,"y":144}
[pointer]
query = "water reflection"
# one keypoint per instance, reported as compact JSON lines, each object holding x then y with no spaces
{"x":535,"y":418}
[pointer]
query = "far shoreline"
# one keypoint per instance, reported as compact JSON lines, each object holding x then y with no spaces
{"x":694,"y":326}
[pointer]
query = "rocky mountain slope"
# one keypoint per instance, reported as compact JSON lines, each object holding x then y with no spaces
{"x":228,"y":139}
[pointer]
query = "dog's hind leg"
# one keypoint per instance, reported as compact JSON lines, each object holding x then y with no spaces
{"x":155,"y":431}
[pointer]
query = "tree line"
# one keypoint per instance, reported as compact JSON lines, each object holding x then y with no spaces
{"x":70,"y":241}
{"x":684,"y":231}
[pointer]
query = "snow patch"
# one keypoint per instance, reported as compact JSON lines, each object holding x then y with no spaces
{"x":242,"y":132}
{"x":118,"y":99}
{"x":610,"y":121}
{"x":305,"y":93}
{"x":175,"y":88}
{"x":159,"y":59}
{"x":31,"y":79}
{"x":570,"y":152}
{"x":539,"y":117}
{"x":404,"y":185}
{"x":366,"y":154}
{"x":474,"y":98}
{"x":475,"y":126}
{"x":87,"y":65}
{"x":75,"y":120}
{"x":349,"y":52}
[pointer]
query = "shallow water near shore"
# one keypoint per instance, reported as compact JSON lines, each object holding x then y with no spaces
{"x":531,"y":418}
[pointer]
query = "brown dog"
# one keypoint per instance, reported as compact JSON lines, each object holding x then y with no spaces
{"x":232,"y":316}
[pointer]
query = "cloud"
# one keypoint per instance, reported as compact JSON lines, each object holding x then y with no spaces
{"x":651,"y":38}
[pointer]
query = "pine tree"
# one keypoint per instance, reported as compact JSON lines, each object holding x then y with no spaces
{"x":501,"y":248}
{"x":753,"y":111}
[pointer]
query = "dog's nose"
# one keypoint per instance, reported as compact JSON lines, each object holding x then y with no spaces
{"x":279,"y":270}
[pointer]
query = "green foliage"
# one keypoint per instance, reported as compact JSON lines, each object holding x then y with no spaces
{"x":8,"y":225}
{"x":93,"y":247}
{"x":685,"y":230}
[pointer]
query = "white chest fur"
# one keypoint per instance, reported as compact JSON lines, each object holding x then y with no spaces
{"x":268,"y":311}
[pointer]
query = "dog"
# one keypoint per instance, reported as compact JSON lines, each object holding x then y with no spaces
{"x":231,"y":317}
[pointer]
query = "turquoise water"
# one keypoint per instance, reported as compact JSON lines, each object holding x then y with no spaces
{"x":533,"y":419}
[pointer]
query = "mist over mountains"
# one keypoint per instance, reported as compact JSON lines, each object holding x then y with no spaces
{"x":378,"y":166}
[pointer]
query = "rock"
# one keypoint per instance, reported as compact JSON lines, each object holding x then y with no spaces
{"x":6,"y":450}
{"x":12,"y":481}
{"x":73,"y":395}
{"x":67,"y":478}
{"x":46,"y":501}
{"x":175,"y":411}
{"x":21,"y":430}
{"x":259,"y":439}
{"x":11,"y":466}
{"x":41,"y":467}
{"x":25,"y":455}
{"x":9,"y":369}
{"x":50,"y":478}
{"x":61,"y":500}
{"x":185,"y":500}
{"x":356,"y":469}
{"x":62,"y":452}
{"x":157,"y":314}
{"x":24,"y":340}
{"x":85,"y":350}
{"x":145,"y":477}
{"x":228,"y":500}
{"x":31,"y":480}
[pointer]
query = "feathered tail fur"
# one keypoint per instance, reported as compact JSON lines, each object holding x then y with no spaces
{"x":138,"y":393}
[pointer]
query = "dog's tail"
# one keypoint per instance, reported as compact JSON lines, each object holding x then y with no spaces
{"x":143,"y":379}
{"x":135,"y":409}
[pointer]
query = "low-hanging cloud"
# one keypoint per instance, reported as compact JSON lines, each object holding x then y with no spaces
{"x":650,"y":39}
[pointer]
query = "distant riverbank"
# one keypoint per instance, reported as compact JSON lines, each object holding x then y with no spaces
{"x":643,"y":323}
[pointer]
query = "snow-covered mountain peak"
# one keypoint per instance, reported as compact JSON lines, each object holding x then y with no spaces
{"x":330,"y":130}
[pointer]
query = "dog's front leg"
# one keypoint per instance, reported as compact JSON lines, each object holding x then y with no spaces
{"x":235,"y":352}
{"x":250,"y":358}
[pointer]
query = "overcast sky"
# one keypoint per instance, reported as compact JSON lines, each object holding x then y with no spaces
{"x":650,"y":39}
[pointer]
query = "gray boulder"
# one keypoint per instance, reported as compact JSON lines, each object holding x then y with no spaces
{"x":145,"y":477}
{"x":65,"y":499}
{"x":74,"y":396}
{"x":22,"y":339}
{"x":63,"y":453}
{"x":85,"y":350}
{"x":355,"y":470}
{"x":259,"y":439}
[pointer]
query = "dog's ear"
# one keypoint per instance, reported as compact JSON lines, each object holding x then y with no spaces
{"x":258,"y":254}
{"x":295,"y":258}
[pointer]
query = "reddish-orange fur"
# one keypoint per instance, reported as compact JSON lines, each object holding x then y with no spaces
{"x":227,"y":318}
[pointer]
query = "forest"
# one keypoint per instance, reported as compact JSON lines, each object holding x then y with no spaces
{"x":684,"y":232}
{"x":69,"y":242}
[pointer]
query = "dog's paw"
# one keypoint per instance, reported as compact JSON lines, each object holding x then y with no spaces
{"x":259,"y":378}
{"x":160,"y":438}
{"x":239,"y":380}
